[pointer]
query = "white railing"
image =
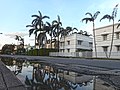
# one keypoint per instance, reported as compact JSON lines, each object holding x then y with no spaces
{"x":72,"y":54}
{"x":105,"y":55}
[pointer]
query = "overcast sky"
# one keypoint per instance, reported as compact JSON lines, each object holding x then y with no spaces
{"x":16,"y":14}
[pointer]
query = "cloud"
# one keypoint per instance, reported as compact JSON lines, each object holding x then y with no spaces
{"x":12,"y":35}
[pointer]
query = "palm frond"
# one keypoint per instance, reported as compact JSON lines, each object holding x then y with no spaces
{"x":118,"y":25}
{"x":106,"y":17}
{"x":54,"y":22}
{"x":114,"y":13}
{"x":31,"y":31}
{"x":40,"y":14}
{"x":16,"y":37}
{"x":75,"y":29}
{"x":96,"y":14}
{"x":35,"y":16}
{"x":34,"y":21}
{"x":58,"y":18}
{"x":80,"y":32}
{"x":48,"y":24}
{"x":29,"y":25}
{"x":45,"y":17}
{"x":89,"y":14}
{"x":87,"y":19}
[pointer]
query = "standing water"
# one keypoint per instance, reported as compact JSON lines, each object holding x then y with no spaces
{"x":42,"y":76}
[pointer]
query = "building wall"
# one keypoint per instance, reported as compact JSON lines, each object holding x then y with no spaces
{"x":101,"y":43}
{"x":70,"y":43}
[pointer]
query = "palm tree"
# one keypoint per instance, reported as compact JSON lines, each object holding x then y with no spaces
{"x":92,"y":19}
{"x":38,"y":25}
{"x":19,"y":38}
{"x":111,"y":17}
{"x":56,"y":30}
{"x":38,"y":21}
{"x":31,"y":31}
{"x":49,"y":29}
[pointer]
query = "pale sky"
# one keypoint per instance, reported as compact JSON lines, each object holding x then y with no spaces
{"x":16,"y":14}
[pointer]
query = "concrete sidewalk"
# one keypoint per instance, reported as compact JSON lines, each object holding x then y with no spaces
{"x":8,"y":81}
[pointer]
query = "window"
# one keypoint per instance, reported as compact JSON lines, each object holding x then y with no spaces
{"x":68,"y":42}
{"x":68,"y":50}
{"x":79,"y":42}
{"x":90,"y":44}
{"x":105,"y":48}
{"x":61,"y":50}
{"x":105,"y":37}
{"x":61,"y":43}
{"x":118,"y":35}
{"x":118,"y":48}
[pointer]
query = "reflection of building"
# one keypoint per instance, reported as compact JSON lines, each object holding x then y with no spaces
{"x":103,"y":41}
{"x":75,"y":77}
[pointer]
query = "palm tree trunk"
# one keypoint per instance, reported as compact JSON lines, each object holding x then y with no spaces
{"x":64,"y":44}
{"x":35,"y":40}
{"x":58,"y":39}
{"x":94,"y":39}
{"x":112,"y":40}
{"x":51,"y":39}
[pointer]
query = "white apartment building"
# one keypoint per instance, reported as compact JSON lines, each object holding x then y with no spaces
{"x":103,"y":41}
{"x":75,"y":45}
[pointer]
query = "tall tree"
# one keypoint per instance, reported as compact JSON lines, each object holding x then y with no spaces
{"x":19,"y":38}
{"x":32,"y":31}
{"x":49,"y":29}
{"x":56,"y":30}
{"x":92,"y":19}
{"x":111,"y":17}
{"x":38,"y":25}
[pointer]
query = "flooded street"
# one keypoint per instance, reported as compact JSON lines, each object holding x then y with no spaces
{"x":42,"y":76}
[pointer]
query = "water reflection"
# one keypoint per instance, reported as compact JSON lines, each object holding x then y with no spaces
{"x":40,"y":76}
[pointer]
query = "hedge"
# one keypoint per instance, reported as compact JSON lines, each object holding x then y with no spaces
{"x":40,"y":52}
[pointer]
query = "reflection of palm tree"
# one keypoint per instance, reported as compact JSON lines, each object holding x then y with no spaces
{"x":111,"y":17}
{"x":92,"y":19}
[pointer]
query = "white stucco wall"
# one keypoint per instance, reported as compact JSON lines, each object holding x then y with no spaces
{"x":100,"y":42}
{"x":74,"y":43}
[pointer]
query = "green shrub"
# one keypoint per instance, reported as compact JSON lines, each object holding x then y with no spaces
{"x":40,"y":52}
